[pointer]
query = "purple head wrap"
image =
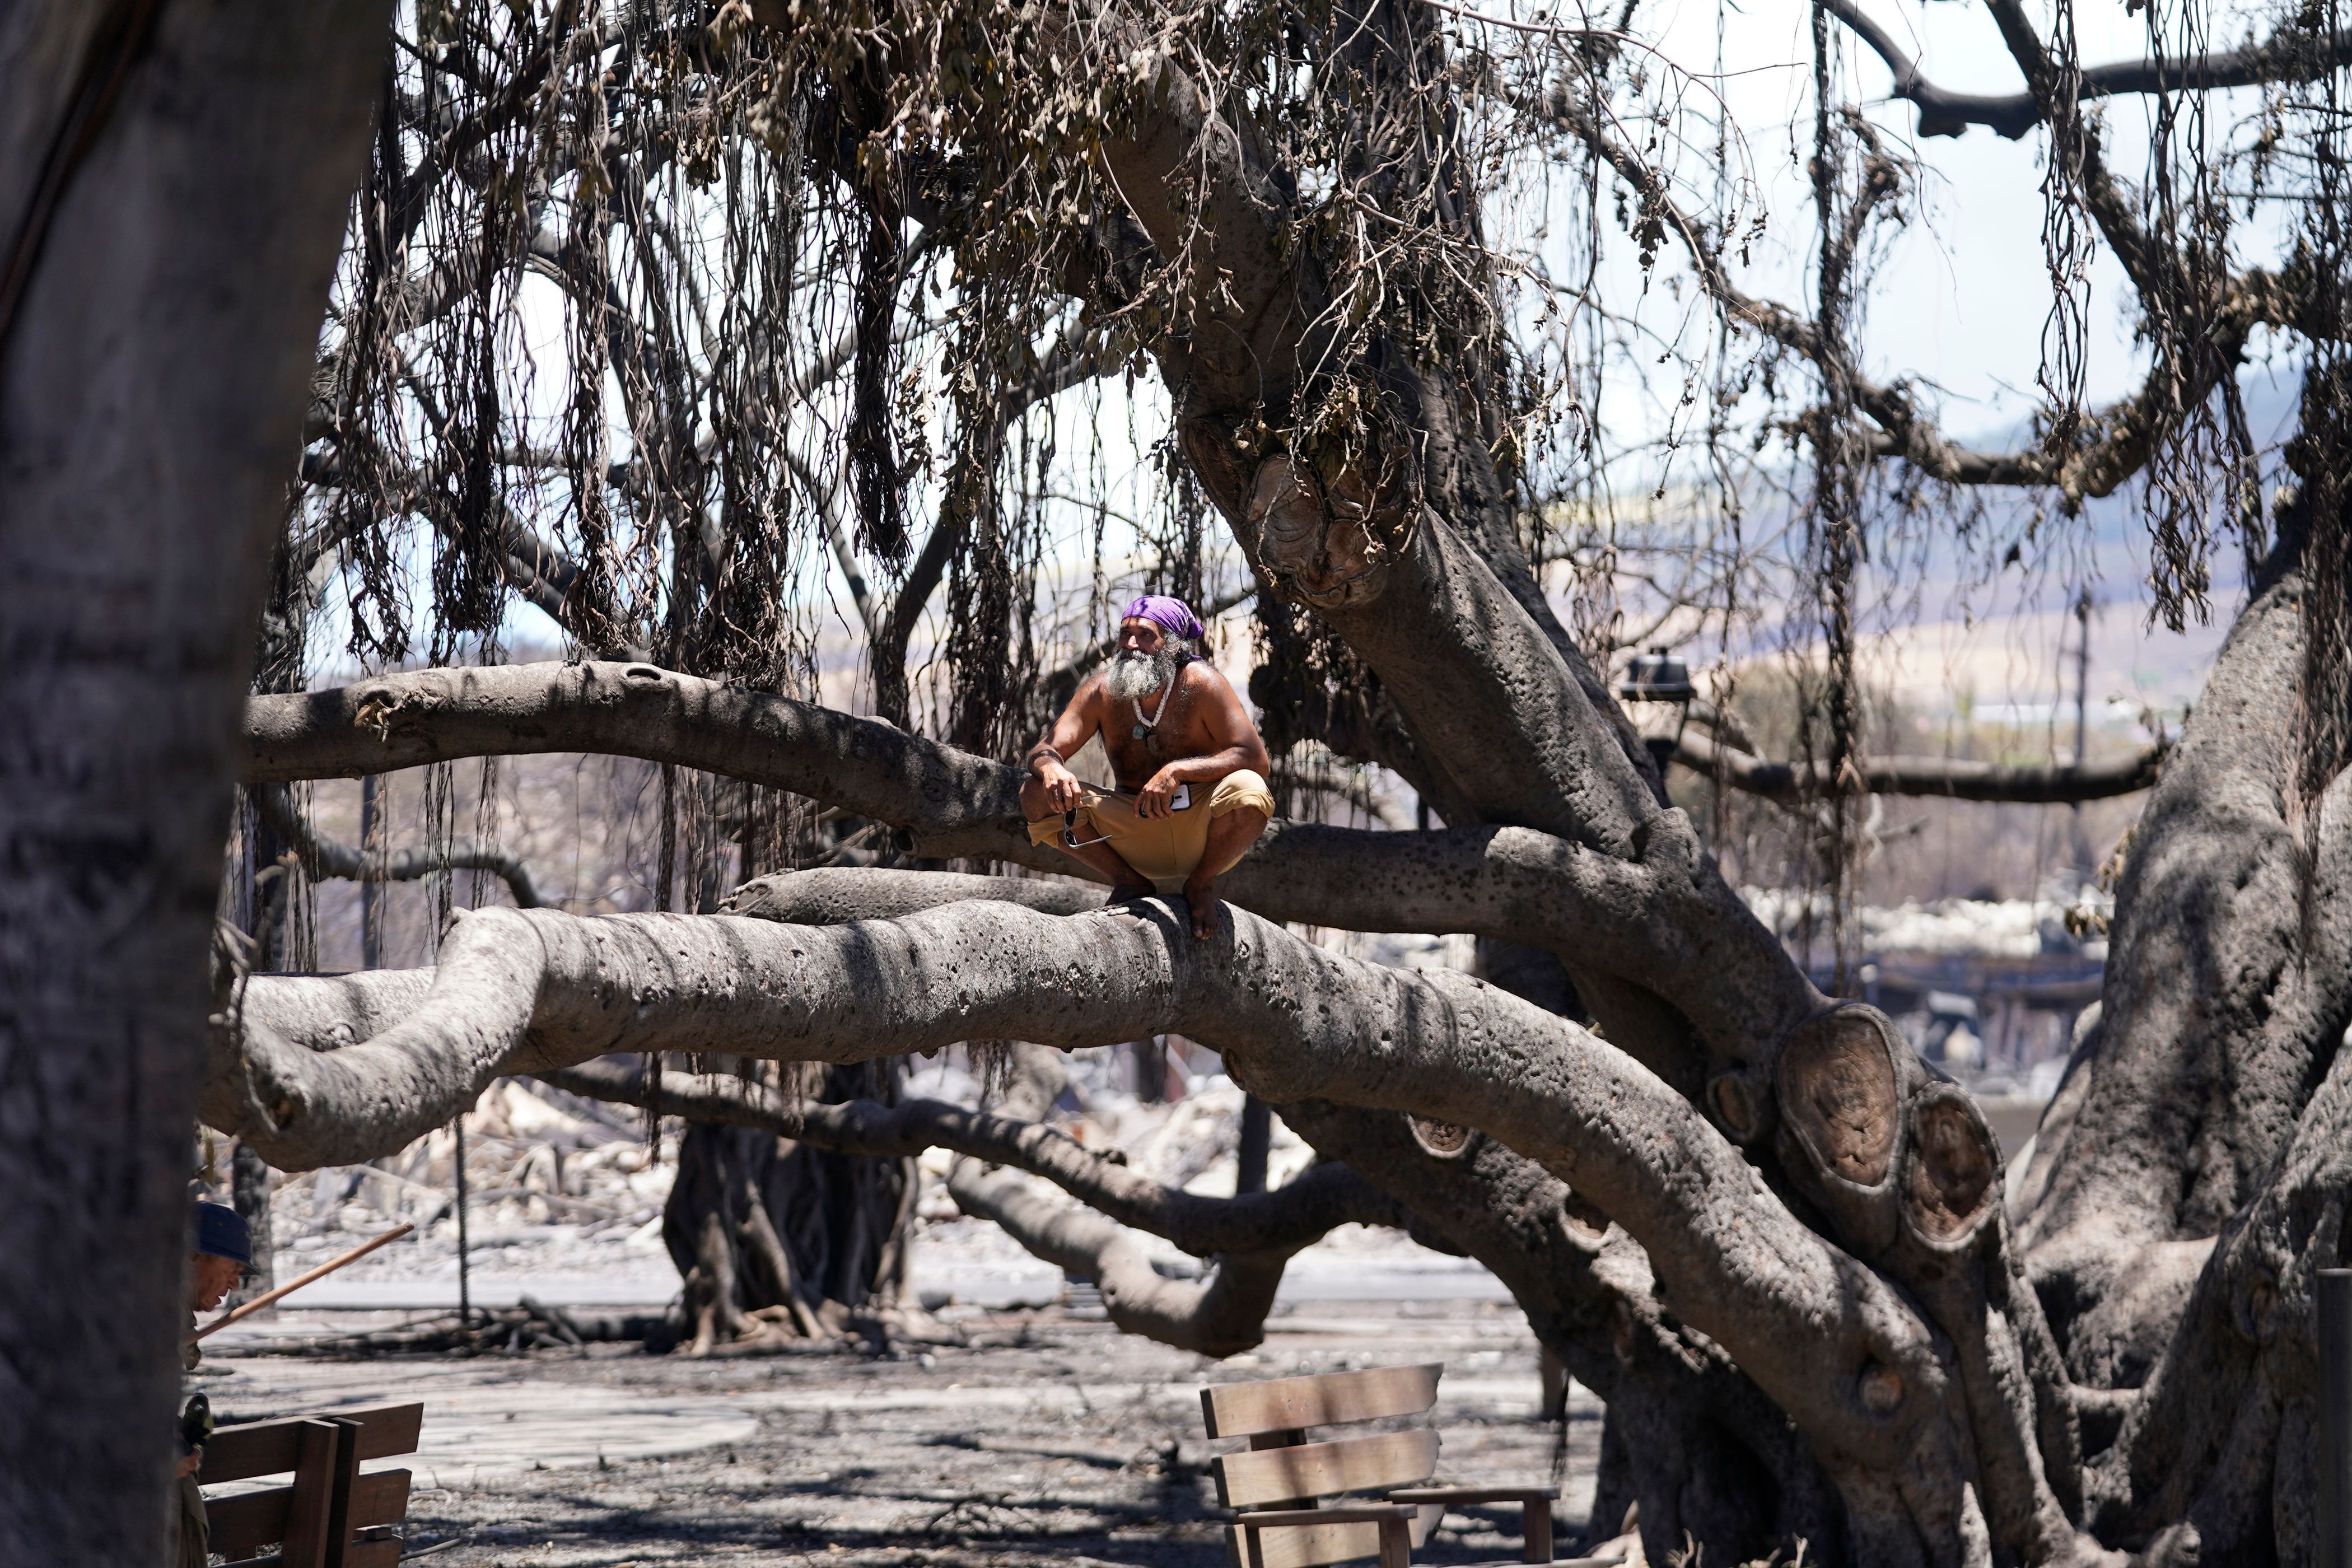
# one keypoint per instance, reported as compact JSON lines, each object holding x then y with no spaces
{"x":1170,"y":615}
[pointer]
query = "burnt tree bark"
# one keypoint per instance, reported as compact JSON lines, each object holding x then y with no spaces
{"x":173,"y":184}
{"x":2188,"y":1183}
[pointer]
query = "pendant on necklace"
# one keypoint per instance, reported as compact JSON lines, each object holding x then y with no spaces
{"x":1139,"y":732}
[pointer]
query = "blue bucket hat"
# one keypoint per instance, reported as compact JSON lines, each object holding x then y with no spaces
{"x":221,"y":1231}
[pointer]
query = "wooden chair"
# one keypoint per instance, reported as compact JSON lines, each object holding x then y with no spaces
{"x":1279,"y":1480}
{"x":332,"y":1516}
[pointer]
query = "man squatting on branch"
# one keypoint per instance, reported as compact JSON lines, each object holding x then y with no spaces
{"x":1192,"y":795}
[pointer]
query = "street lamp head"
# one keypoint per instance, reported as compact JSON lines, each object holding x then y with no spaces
{"x":1658,"y":675}
{"x":1657,"y":688}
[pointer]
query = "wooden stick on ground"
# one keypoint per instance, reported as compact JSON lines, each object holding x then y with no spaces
{"x":320,"y":1272}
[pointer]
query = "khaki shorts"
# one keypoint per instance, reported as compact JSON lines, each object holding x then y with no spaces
{"x":1164,"y":849}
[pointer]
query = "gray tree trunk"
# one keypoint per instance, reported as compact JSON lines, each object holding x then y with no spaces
{"x":819,"y":1234}
{"x":173,"y":253}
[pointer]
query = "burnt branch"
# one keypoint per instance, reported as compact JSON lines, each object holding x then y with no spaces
{"x":2284,"y":57}
{"x":2119,"y":438}
{"x":1219,"y":1316}
{"x":325,"y":857}
{"x":1250,"y":1237}
{"x":1792,"y":783}
{"x":1652,"y":918}
{"x":1324,"y":1197}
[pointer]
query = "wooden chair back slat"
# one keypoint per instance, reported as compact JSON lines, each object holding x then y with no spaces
{"x":1286,"y":1403}
{"x":1313,"y":1546}
{"x":268,"y":1447}
{"x":243,"y":1525}
{"x":1369,"y":1463}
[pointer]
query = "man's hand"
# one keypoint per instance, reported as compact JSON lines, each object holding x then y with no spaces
{"x":1063,"y":789}
{"x":1158,"y":798}
{"x":189,"y":1465}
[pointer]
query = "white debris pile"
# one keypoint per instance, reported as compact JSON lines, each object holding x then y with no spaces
{"x":1982,"y":928}
{"x":556,"y":1184}
{"x":1192,"y":1141}
{"x":1403,"y":950}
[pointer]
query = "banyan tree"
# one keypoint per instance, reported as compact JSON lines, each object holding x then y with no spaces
{"x":659,"y":317}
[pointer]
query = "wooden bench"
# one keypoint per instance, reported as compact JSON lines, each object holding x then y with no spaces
{"x":331,"y":1516}
{"x":1279,"y":1482}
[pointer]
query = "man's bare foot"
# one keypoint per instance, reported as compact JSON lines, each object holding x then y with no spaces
{"x":1201,"y":893}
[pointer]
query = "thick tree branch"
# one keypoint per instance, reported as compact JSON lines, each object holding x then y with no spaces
{"x":325,"y":857}
{"x":1219,"y":1316}
{"x":1949,"y":777}
{"x":2189,"y":1180}
{"x":1643,"y":919}
{"x":1649,"y":918}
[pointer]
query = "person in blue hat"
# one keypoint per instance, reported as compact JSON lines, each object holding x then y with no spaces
{"x":220,"y":1251}
{"x":218,"y":1257}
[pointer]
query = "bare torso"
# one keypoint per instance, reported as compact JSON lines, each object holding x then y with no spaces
{"x":1183,"y":729}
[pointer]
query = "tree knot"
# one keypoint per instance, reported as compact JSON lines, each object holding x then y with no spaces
{"x":1331,"y":528}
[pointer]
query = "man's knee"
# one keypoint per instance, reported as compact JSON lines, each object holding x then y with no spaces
{"x":1240,"y":791}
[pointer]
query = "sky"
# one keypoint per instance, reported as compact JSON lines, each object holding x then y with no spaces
{"x":1965,"y":303}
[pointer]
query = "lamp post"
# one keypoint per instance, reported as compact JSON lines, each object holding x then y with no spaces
{"x":1657,"y":693}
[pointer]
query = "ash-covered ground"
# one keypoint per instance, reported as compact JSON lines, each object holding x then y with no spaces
{"x":1045,"y":1434}
{"x":1054,"y":1440}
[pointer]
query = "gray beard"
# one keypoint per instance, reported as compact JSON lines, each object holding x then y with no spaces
{"x":1134,"y":675}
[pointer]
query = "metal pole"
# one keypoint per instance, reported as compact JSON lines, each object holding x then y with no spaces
{"x":2082,"y":674}
{"x":371,"y":891}
{"x":2336,"y":1418}
{"x":2084,"y":853}
{"x":465,"y":1283}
